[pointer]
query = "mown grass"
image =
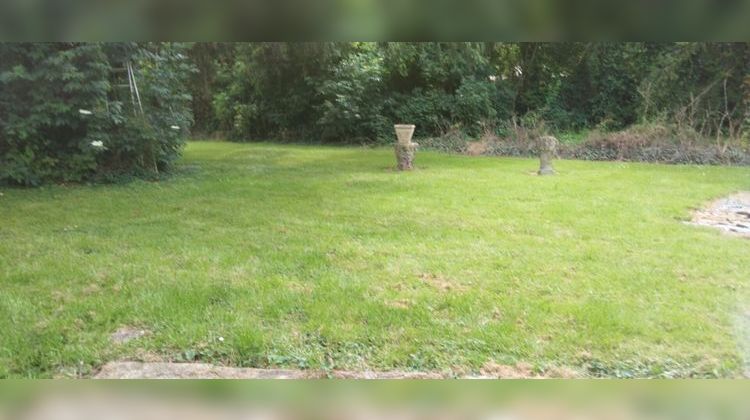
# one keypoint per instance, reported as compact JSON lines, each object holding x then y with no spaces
{"x":325,"y":258}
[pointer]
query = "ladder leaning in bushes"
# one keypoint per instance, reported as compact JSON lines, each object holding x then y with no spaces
{"x":117,"y":75}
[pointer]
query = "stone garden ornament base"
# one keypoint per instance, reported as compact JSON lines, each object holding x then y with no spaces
{"x":404,"y":147}
{"x":547,"y":146}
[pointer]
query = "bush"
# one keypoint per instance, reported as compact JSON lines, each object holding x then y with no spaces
{"x":42,"y":87}
{"x":660,"y":143}
{"x":657,"y":143}
{"x":63,"y":118}
{"x":454,"y":140}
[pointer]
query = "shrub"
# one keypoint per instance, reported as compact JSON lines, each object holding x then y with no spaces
{"x":663,"y":143}
{"x":62,"y":117}
{"x":453,"y":140}
{"x":511,"y":146}
{"x":42,"y":87}
{"x":657,"y":143}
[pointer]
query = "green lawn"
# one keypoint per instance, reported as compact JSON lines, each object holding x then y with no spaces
{"x":325,"y":258}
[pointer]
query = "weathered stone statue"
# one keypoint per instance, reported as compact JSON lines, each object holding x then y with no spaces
{"x":547,"y":145}
{"x":405,"y":148}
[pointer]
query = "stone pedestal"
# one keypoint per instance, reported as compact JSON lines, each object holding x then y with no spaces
{"x":405,"y":156}
{"x":404,"y":147}
{"x":404,"y":132}
{"x":547,"y":146}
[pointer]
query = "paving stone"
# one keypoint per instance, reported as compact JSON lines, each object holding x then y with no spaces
{"x":729,"y":214}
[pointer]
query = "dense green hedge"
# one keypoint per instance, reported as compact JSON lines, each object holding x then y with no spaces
{"x":63,"y":119}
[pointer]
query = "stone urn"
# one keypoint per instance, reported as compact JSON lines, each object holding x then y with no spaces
{"x":405,"y":148}
{"x":547,"y":146}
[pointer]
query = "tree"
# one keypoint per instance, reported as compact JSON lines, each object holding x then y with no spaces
{"x":274,"y":89}
{"x":213,"y":62}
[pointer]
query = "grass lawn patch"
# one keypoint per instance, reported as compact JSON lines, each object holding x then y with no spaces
{"x":260,"y":255}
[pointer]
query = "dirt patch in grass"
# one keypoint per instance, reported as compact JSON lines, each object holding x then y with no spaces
{"x":441,"y":283}
{"x":400,"y":304}
{"x":523,"y":370}
{"x":125,"y":334}
{"x":166,"y":370}
{"x":730,"y":214}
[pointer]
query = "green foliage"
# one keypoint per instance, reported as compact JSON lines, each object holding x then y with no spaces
{"x":429,"y":110}
{"x":432,"y":66}
{"x":275,"y":89}
{"x":700,"y":85}
{"x":352,"y":100}
{"x":474,"y":105}
{"x":355,"y":92}
{"x":438,"y":85}
{"x":576,"y":86}
{"x":349,"y":93}
{"x":338,"y":92}
{"x":64,"y":117}
{"x":42,"y":87}
{"x":615,"y":72}
{"x":213,"y":61}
